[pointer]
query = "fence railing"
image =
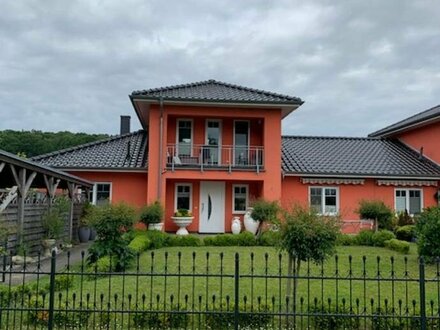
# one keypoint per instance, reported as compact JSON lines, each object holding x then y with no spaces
{"x":222,"y":290}
{"x":209,"y":156}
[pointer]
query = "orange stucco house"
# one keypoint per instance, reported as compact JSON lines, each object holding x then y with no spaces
{"x":213,"y":147}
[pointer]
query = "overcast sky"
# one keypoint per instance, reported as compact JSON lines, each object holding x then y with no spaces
{"x":359,"y":65}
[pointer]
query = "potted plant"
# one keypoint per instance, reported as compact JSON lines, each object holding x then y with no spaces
{"x":264,"y":211}
{"x":182,"y":218}
{"x":53,"y":226}
{"x":152,"y":215}
{"x":87,"y":216}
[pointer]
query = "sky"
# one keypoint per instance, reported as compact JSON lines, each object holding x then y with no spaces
{"x":358,"y":65}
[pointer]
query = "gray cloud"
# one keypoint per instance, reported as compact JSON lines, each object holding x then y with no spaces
{"x":359,"y":65}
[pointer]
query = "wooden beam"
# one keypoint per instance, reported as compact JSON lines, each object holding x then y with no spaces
{"x":2,"y":166}
{"x":51,"y":187}
{"x":16,"y":178}
{"x":71,"y":187}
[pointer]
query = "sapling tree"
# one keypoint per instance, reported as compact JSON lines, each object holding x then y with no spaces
{"x":305,"y":235}
{"x":265,"y":212}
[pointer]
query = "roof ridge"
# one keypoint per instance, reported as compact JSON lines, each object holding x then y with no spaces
{"x":85,"y":145}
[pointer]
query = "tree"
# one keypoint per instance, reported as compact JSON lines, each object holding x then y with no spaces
{"x":428,"y":233}
{"x":377,"y":211}
{"x":305,"y":235}
{"x":265,"y":211}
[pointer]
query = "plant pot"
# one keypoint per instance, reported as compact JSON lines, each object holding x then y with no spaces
{"x":250,"y":224}
{"x":92,"y":234}
{"x":182,"y":223}
{"x":49,"y":245}
{"x":83,"y":234}
{"x":155,"y":226}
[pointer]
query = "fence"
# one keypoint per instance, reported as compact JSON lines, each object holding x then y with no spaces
{"x":180,"y":289}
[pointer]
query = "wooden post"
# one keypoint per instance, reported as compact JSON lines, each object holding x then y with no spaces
{"x":51,"y":187}
{"x":71,"y":188}
{"x":2,"y":166}
{"x":23,"y":185}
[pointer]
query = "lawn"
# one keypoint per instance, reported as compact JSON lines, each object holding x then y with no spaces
{"x":156,"y":278}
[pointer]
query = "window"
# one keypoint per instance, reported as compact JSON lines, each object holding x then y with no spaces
{"x":324,"y":200}
{"x":240,"y":198}
{"x":184,"y":137}
{"x":409,"y":200}
{"x":183,"y":197}
{"x":101,"y":193}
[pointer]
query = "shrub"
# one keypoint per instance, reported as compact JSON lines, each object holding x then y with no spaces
{"x":63,"y":282}
{"x":327,"y":317}
{"x":269,"y":238}
{"x":111,"y":222}
{"x":188,"y":240}
{"x":222,"y":240}
{"x":365,"y":237}
{"x":52,"y":223}
{"x":379,"y":238}
{"x":406,"y":233}
{"x":265,"y":211}
{"x":346,"y":240}
{"x":404,"y":219}
{"x":378,"y":211}
{"x":246,"y":239}
{"x":151,"y":319}
{"x":152,"y":213}
{"x":399,"y":246}
{"x":428,"y":233}
{"x":139,"y":244}
{"x":158,"y":239}
{"x":247,"y":320}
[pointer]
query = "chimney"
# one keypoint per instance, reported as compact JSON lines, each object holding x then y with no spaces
{"x":125,"y":124}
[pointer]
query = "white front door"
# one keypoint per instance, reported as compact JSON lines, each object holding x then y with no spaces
{"x":212,"y":207}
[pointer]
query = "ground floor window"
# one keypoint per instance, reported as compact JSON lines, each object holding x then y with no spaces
{"x":240,"y":198}
{"x":101,"y":193}
{"x":324,"y":200}
{"x":183,"y":196}
{"x":409,"y":200}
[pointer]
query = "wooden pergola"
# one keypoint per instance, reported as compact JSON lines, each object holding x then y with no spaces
{"x":20,"y":175}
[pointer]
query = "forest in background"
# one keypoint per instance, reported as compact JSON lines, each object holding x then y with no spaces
{"x":32,"y":143}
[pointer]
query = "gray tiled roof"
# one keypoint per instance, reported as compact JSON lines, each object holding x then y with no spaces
{"x":126,"y":151}
{"x":429,"y":114}
{"x":340,"y":156}
{"x":215,"y":91}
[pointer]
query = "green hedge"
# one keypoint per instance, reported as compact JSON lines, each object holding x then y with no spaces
{"x":140,"y":243}
{"x":188,"y":240}
{"x":406,"y":233}
{"x":399,"y":246}
{"x":242,"y":239}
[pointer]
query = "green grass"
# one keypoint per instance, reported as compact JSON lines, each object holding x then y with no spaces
{"x":207,"y":290}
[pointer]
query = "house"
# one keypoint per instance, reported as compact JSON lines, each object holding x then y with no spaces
{"x":213,"y":147}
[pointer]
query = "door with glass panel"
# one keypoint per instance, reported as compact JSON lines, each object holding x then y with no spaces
{"x":184,"y":139}
{"x":211,"y":151}
{"x":241,"y":142}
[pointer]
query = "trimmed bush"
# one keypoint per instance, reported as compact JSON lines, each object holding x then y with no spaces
{"x":158,"y":239}
{"x":379,"y":238}
{"x":399,"y":246}
{"x":152,"y":319}
{"x":140,"y":243}
{"x":428,"y":233}
{"x":327,"y":317}
{"x":269,"y":238}
{"x":406,"y":233}
{"x":247,"y":320}
{"x":152,"y":213}
{"x":376,"y":210}
{"x":187,"y":240}
{"x":365,"y":237}
{"x":346,"y":240}
{"x":242,"y":239}
{"x":246,"y":239}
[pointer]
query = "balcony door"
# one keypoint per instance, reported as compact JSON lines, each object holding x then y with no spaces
{"x":241,"y":142}
{"x":184,"y":137}
{"x":211,"y":151}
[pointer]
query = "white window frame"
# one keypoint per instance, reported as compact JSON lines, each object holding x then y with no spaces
{"x":220,"y":142}
{"x":323,"y":198}
{"x":177,"y":134}
{"x":234,"y":211}
{"x":407,"y":198}
{"x":233,"y":136}
{"x":190,"y":195}
{"x":95,"y":191}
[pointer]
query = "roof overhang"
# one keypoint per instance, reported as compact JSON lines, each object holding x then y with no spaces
{"x":103,"y":169}
{"x":286,"y":108}
{"x":363,"y":176}
{"x":383,"y":133}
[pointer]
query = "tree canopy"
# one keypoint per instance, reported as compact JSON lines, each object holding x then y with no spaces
{"x":33,"y":143}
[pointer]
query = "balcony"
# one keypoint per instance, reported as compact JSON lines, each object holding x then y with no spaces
{"x":185,"y":155}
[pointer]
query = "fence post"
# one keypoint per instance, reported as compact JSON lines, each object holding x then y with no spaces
{"x":51,"y":290}
{"x":236,"y":292}
{"x":422,"y":294}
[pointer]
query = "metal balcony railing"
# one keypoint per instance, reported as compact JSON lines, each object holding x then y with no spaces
{"x":185,"y":155}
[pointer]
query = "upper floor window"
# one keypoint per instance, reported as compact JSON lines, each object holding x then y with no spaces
{"x":184,"y":137}
{"x":240,"y":198}
{"x":183,"y":197}
{"x":409,"y":200}
{"x":324,"y":200}
{"x":101,"y":193}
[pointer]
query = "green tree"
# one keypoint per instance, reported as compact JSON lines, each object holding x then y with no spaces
{"x":428,"y":233}
{"x":305,"y":235}
{"x":377,"y":211}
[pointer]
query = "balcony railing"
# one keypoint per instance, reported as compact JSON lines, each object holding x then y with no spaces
{"x":185,"y":155}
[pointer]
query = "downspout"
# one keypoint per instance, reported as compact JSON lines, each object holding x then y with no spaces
{"x":159,"y":174}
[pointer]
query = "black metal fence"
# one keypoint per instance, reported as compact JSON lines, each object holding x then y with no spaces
{"x":221,"y":290}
